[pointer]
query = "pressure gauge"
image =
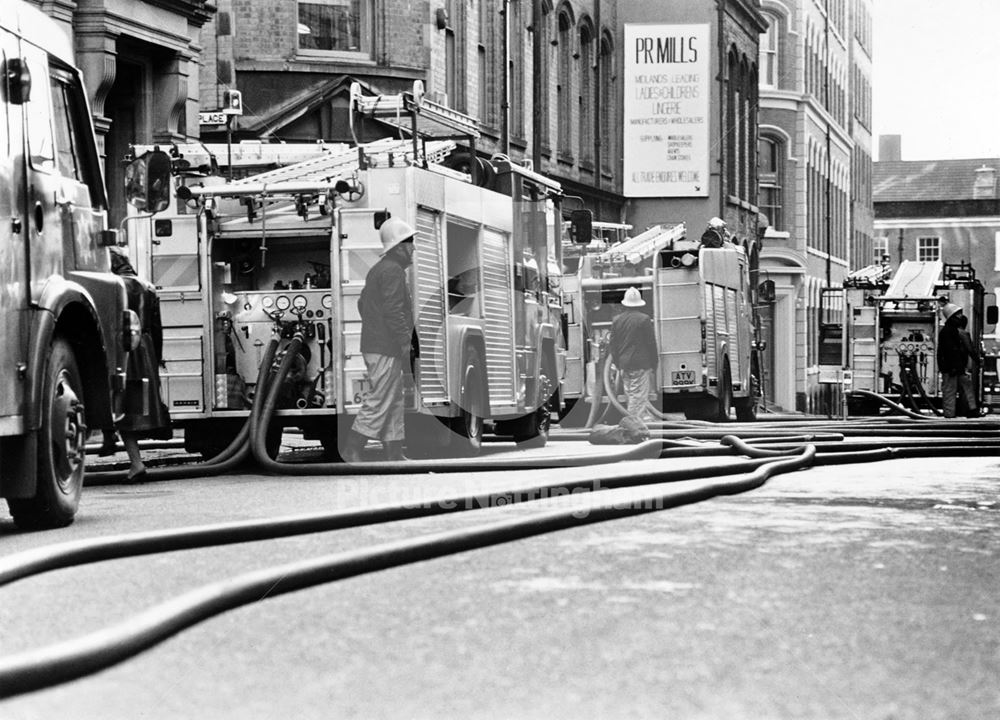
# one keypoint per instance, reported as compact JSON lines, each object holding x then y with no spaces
{"x":283,"y":303}
{"x":299,"y":303}
{"x":267,"y":303}
{"x":328,"y":301}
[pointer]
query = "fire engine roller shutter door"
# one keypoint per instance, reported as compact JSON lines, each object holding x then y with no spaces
{"x":428,"y":274}
{"x":498,"y":319}
{"x":711,"y":324}
{"x":735,"y":345}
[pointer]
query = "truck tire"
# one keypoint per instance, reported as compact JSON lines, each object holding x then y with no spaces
{"x":61,"y":446}
{"x":725,"y":399}
{"x":746,"y":408}
{"x":468,"y":427}
{"x":534,"y":430}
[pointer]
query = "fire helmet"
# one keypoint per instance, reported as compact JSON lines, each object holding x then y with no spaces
{"x":633,"y":298}
{"x":950,"y":309}
{"x":393,"y":232}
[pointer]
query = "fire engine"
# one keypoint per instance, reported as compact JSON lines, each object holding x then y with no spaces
{"x":884,"y":341}
{"x":65,"y":330}
{"x":702,"y":303}
{"x":288,"y":251}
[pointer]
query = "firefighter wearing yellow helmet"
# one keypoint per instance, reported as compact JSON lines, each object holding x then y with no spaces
{"x":386,"y":335}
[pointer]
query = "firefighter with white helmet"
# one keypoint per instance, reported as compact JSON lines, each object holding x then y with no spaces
{"x":634,"y":352}
{"x":953,"y":356}
{"x":386,"y":336}
{"x":715,"y":234}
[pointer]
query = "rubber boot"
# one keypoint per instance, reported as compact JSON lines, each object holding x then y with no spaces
{"x":394,"y":451}
{"x":354,"y":443}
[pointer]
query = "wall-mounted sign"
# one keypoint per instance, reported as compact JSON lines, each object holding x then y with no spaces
{"x":215,"y":117}
{"x":667,"y":85}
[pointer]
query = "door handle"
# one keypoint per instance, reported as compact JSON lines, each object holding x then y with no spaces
{"x":15,"y":225}
{"x":39,"y":217}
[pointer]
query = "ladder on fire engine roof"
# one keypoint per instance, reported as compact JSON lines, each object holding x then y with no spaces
{"x":644,"y":245}
{"x":914,"y":280}
{"x":320,"y":174}
{"x":246,"y":153}
{"x":384,"y":152}
{"x":869,"y":275}
{"x":423,"y":117}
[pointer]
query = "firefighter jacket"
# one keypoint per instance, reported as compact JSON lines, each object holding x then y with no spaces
{"x":633,"y":342}
{"x":386,"y":313}
{"x":952,"y":355}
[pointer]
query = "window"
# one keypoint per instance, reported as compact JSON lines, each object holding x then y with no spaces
{"x":564,"y":71}
{"x":40,"y":142}
{"x":880,"y":247}
{"x":769,"y":54}
{"x":771,"y":163}
{"x":928,"y":249}
{"x":606,"y":91}
{"x":586,"y":99}
{"x":334,"y":26}
{"x":516,"y":88}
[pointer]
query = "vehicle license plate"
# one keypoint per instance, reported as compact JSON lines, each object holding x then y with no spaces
{"x":682,"y":377}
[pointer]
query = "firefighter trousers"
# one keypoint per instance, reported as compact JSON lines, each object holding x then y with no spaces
{"x":951,"y":386}
{"x":636,"y":384}
{"x":381,"y":413}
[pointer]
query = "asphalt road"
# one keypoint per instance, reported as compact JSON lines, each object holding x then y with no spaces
{"x":842,"y":592}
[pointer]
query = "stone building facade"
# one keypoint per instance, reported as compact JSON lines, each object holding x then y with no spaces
{"x":140,"y":61}
{"x":815,"y":179}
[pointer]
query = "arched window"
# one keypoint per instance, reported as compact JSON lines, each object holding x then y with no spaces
{"x":608,"y":99}
{"x":564,"y":75}
{"x":770,"y":56}
{"x":516,"y":68}
{"x":542,"y":74}
{"x":586,"y":97}
{"x":486,"y":58}
{"x":771,"y":162}
{"x":454,"y":54}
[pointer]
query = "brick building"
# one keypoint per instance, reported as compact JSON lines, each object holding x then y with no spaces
{"x":815,"y":178}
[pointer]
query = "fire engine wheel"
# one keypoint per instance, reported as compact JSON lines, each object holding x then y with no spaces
{"x":469,"y":425}
{"x":725,"y":399}
{"x":61,"y":446}
{"x":746,"y":409}
{"x":538,"y":424}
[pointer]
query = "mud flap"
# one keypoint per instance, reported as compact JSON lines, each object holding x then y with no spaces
{"x":19,"y":466}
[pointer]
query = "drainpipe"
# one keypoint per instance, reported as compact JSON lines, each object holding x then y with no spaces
{"x":505,"y":81}
{"x":536,"y":85}
{"x":598,"y":101}
{"x":723,"y":99}
{"x":829,"y":158}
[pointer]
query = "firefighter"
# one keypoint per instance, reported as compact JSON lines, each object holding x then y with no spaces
{"x":145,"y":414}
{"x":953,"y":361}
{"x":716,"y":234}
{"x":633,"y":350}
{"x":386,"y":337}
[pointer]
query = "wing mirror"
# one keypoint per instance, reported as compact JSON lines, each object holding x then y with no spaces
{"x":147,"y":182}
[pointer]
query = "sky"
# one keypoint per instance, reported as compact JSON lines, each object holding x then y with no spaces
{"x":936,"y":77}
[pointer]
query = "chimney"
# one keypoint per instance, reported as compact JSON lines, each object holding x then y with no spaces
{"x":985,"y":187}
{"x":890,"y":148}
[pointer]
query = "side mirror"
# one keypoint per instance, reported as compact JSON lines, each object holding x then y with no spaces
{"x":581,"y":226}
{"x":992,"y":315}
{"x":147,"y":182}
{"x":765,"y":291}
{"x":16,"y":81}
